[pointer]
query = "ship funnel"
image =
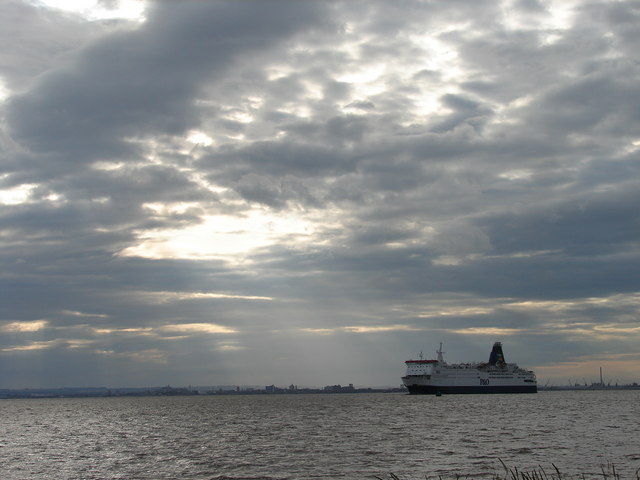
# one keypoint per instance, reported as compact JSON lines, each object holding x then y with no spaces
{"x":496,"y":354}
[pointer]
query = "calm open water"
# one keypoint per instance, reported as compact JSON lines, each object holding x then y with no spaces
{"x":354,"y":436}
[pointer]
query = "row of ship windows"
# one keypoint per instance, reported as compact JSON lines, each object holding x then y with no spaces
{"x":493,"y":375}
{"x":490,"y":376}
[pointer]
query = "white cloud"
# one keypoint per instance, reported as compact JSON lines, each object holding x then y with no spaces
{"x":197,"y":328}
{"x":96,"y":10}
{"x":25,"y":326}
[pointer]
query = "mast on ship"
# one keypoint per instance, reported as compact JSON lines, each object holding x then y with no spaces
{"x":440,"y":352}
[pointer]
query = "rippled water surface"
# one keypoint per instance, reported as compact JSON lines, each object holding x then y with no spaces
{"x":353,"y":436}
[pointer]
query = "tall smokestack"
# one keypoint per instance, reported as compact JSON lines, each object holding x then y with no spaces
{"x":496,"y":354}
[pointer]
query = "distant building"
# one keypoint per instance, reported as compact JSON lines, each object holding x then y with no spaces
{"x":339,"y":389}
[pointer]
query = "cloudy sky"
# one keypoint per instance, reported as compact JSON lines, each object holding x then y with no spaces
{"x":276,"y":191}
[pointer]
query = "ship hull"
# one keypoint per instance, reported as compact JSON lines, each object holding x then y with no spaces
{"x":469,"y":389}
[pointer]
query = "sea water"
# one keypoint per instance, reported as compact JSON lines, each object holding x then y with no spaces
{"x":338,"y":436}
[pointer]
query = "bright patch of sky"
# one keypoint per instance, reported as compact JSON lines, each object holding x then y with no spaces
{"x":99,"y":10}
{"x":224,"y":236}
{"x":16,"y":195}
{"x":4,"y":91}
{"x":32,"y":326}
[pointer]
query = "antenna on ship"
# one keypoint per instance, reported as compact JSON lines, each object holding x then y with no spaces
{"x":440,"y":352}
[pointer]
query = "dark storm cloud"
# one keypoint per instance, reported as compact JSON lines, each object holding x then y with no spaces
{"x":145,"y":80}
{"x":596,"y":103}
{"x":591,"y":224}
{"x":35,"y":40}
{"x":279,"y":158}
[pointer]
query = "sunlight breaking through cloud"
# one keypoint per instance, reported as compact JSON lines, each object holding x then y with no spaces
{"x":197,"y":328}
{"x":96,"y":10}
{"x":27,"y":326}
{"x":226,"y":237}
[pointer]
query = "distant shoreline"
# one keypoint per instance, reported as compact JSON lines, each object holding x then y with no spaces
{"x":166,"y":391}
{"x":633,"y":386}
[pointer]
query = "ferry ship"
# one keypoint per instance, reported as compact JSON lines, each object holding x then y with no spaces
{"x":496,"y":376}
